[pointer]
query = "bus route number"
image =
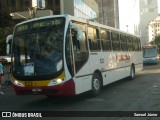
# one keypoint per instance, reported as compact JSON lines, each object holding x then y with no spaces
{"x":28,"y":84}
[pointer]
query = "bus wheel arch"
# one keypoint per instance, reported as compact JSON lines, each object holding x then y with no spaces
{"x":97,"y":83}
{"x":132,"y":72}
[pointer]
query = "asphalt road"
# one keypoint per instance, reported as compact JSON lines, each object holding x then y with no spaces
{"x":140,"y":94}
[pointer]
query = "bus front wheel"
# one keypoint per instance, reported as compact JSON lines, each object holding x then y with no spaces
{"x":96,"y":84}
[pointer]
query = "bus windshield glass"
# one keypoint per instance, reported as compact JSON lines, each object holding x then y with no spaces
{"x":149,"y":52}
{"x":37,"y":48}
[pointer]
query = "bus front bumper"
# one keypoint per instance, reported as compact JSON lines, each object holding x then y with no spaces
{"x":65,"y":89}
{"x":150,"y":61}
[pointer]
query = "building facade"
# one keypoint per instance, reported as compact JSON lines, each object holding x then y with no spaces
{"x":12,"y":6}
{"x":80,"y":8}
{"x":149,"y":11}
{"x":129,"y":15}
{"x":87,"y":9}
{"x":154,"y":28}
{"x":109,"y":12}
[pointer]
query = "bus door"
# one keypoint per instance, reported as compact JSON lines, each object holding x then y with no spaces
{"x":96,"y":58}
{"x":80,"y":56}
{"x":80,"y":49}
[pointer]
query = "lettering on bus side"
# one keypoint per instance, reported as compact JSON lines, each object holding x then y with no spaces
{"x":122,"y":57}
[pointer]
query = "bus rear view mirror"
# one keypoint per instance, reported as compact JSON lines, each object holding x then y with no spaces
{"x":79,"y":34}
{"x":9,"y":42}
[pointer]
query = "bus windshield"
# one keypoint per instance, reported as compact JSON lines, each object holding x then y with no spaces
{"x":37,"y":48}
{"x":149,"y":52}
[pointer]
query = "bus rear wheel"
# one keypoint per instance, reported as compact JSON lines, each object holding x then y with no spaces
{"x":96,"y":84}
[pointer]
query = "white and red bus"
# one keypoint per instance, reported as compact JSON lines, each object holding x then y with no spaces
{"x":63,"y":55}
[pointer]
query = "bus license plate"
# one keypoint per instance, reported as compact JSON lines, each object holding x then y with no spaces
{"x":28,"y":84}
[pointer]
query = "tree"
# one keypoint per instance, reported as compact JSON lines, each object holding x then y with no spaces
{"x":156,"y":41}
{"x":3,"y":34}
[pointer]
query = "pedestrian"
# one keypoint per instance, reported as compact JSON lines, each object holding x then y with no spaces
{"x":1,"y":73}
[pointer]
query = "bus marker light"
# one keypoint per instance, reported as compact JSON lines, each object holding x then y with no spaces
{"x":56,"y":82}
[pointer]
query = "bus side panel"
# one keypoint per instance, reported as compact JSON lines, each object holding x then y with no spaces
{"x":137,"y":60}
{"x":115,"y":68}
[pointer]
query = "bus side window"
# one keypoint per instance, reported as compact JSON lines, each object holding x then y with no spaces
{"x":136,"y":46}
{"x":83,"y":43}
{"x":105,"y":40}
{"x":94,"y":40}
{"x":79,"y":39}
{"x":76,"y":45}
{"x":123,"y":41}
{"x":130,"y":43}
{"x":98,"y":39}
{"x":139,"y":45}
{"x":115,"y":41}
{"x":82,"y":56}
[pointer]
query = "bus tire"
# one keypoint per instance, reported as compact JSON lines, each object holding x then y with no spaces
{"x":96,"y":84}
{"x":132,"y":72}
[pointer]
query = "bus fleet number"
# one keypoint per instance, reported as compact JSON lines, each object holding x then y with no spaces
{"x":29,"y":84}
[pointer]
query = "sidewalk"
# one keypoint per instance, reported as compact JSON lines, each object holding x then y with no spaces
{"x":6,"y":79}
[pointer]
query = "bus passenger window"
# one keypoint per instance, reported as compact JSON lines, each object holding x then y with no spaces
{"x":130,"y":43}
{"x":123,"y":41}
{"x":94,"y":40}
{"x":115,"y":41}
{"x":76,"y":45}
{"x":105,"y":40}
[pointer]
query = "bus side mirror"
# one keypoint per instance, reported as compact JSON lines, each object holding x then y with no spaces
{"x":79,"y":34}
{"x":8,"y":44}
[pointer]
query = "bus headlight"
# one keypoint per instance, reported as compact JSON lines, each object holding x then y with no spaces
{"x":154,"y":58}
{"x":56,"y":82}
{"x":17,"y":83}
{"x":59,"y":81}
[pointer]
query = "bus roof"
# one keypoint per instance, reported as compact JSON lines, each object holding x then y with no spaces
{"x":79,"y":20}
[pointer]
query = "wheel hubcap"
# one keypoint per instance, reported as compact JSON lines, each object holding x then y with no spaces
{"x":132,"y":73}
{"x":96,"y":84}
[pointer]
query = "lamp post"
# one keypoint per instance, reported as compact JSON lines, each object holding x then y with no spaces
{"x":13,"y":14}
{"x":127,"y":27}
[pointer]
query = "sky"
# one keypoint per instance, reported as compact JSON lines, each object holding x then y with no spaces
{"x":158,"y":6}
{"x":127,"y":14}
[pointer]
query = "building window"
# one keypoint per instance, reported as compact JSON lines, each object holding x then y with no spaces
{"x":26,"y":2}
{"x":50,"y":2}
{"x":57,"y":2}
{"x":13,"y":3}
{"x":83,"y":10}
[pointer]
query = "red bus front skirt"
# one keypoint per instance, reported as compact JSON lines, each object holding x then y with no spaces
{"x":64,"y":89}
